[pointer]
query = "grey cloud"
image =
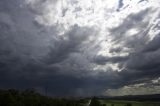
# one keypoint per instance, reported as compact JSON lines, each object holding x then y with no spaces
{"x":20,"y":40}
{"x":142,"y":63}
{"x":25,"y":45}
{"x":140,"y":67}
{"x":33,"y":55}
{"x":104,"y":60}
{"x":142,"y":1}
{"x":69,"y":43}
{"x":116,"y":50}
{"x":120,"y":4}
{"x":152,"y":45}
{"x":37,"y":5}
{"x":145,"y":60}
{"x":131,"y":22}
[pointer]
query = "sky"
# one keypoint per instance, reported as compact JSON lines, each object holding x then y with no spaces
{"x":80,"y":47}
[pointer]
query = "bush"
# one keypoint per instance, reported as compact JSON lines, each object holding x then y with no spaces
{"x":95,"y":102}
{"x":31,"y":98}
{"x":128,"y":104}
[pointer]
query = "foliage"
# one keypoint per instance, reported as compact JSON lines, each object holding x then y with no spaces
{"x":128,"y":104}
{"x":96,"y":102}
{"x":29,"y":97}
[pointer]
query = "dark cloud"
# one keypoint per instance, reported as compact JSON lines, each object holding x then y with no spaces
{"x":153,"y":45}
{"x":142,"y":63}
{"x":133,"y":21}
{"x":120,"y":4}
{"x":69,"y":43}
{"x":142,"y":1}
{"x":33,"y":55}
{"x":26,"y":53}
{"x":116,"y":50}
{"x":104,"y":60}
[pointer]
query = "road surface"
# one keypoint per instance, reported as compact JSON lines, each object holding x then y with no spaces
{"x":89,"y":102}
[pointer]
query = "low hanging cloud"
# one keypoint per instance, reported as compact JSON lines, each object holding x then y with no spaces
{"x":74,"y":49}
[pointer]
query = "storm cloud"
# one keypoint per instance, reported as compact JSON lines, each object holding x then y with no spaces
{"x":72,"y":49}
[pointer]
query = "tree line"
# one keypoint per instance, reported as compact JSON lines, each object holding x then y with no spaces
{"x":30,"y":97}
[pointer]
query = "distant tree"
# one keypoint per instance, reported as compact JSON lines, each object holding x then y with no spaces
{"x":128,"y":104}
{"x":29,"y":91}
{"x":8,"y":100}
{"x":29,"y":97}
{"x":95,"y":102}
{"x":13,"y":92}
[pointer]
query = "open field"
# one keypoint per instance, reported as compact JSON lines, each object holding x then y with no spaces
{"x":30,"y":97}
{"x":128,"y":103}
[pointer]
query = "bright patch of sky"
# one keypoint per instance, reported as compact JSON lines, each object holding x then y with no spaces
{"x":152,"y":87}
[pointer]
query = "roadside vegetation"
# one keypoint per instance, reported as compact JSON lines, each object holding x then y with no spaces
{"x":128,"y":103}
{"x":30,"y":97}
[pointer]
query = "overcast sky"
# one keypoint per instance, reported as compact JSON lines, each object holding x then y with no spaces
{"x":80,"y":47}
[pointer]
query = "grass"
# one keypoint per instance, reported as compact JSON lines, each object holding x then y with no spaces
{"x":128,"y":103}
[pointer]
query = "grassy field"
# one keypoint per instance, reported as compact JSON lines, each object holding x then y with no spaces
{"x":128,"y":103}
